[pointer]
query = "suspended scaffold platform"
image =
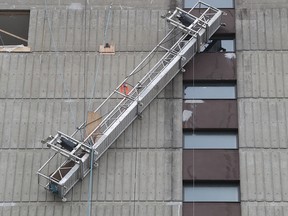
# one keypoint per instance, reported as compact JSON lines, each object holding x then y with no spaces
{"x":188,"y":35}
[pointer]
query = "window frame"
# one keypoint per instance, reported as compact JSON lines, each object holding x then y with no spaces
{"x":214,"y":41}
{"x":211,"y":133}
{"x":207,"y":85}
{"x":15,"y":42}
{"x":192,"y":4}
{"x":215,"y":187}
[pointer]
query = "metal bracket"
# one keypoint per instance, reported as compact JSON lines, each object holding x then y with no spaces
{"x":139,"y":115}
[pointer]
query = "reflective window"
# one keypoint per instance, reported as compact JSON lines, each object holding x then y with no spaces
{"x":210,"y":140}
{"x":228,"y":45}
{"x":210,"y":91}
{"x":211,"y":192}
{"x":218,"y":45}
{"x":214,"y":3}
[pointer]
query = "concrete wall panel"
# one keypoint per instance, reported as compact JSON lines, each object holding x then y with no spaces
{"x":263,"y":74}
{"x":105,"y":209}
{"x":80,"y":4}
{"x":50,"y":88}
{"x":25,"y":123}
{"x":261,"y":4}
{"x":71,"y":75}
{"x":122,"y":175}
{"x":57,"y":29}
{"x":263,"y":123}
{"x":263,"y":175}
{"x":261,"y":32}
{"x":261,"y":29}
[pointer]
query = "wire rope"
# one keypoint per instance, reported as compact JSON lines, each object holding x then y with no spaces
{"x":2,"y":40}
{"x":150,"y":59}
{"x":99,"y":59}
{"x":135,"y":173}
{"x":54,"y":46}
{"x":193,"y":133}
{"x":90,"y":186}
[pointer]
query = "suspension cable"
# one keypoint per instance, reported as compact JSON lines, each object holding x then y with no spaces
{"x":54,"y":46}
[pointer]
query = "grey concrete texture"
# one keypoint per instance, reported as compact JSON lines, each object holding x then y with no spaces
{"x":79,"y":4}
{"x":105,"y":209}
{"x":142,"y":166}
{"x":51,"y":88}
{"x":134,"y":175}
{"x":85,"y":30}
{"x":24,"y":123}
{"x":263,"y":175}
{"x":260,"y":4}
{"x":262,"y":123}
{"x":264,"y":74}
{"x":262,"y":29}
{"x":73,"y":75}
{"x":264,"y":209}
{"x":261,"y":42}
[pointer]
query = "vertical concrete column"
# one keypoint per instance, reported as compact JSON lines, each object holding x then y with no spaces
{"x":262,"y":53}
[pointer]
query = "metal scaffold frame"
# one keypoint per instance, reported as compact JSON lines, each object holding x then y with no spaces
{"x":190,"y":33}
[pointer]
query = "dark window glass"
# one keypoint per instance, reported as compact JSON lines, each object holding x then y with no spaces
{"x":214,"y":3}
{"x":14,"y":27}
{"x":211,"y":192}
{"x":210,"y":140}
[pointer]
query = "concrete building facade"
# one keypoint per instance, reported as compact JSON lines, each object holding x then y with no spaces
{"x":54,"y":86}
{"x":262,"y":98}
{"x":64,"y":76}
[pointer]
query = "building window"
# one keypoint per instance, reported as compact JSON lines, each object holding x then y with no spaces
{"x":210,"y":91}
{"x":219,"y":45}
{"x":217,"y":4}
{"x":14,"y":27}
{"x":211,"y":192}
{"x":210,"y":140}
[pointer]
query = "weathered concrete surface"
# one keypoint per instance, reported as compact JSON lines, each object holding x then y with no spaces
{"x":79,"y":4}
{"x":258,"y":4}
{"x":73,"y":75}
{"x":262,"y":51}
{"x":83,"y":30}
{"x":51,"y":88}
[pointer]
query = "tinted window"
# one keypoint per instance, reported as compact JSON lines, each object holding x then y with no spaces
{"x":210,"y":140}
{"x":210,"y":92}
{"x":211,"y":192}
